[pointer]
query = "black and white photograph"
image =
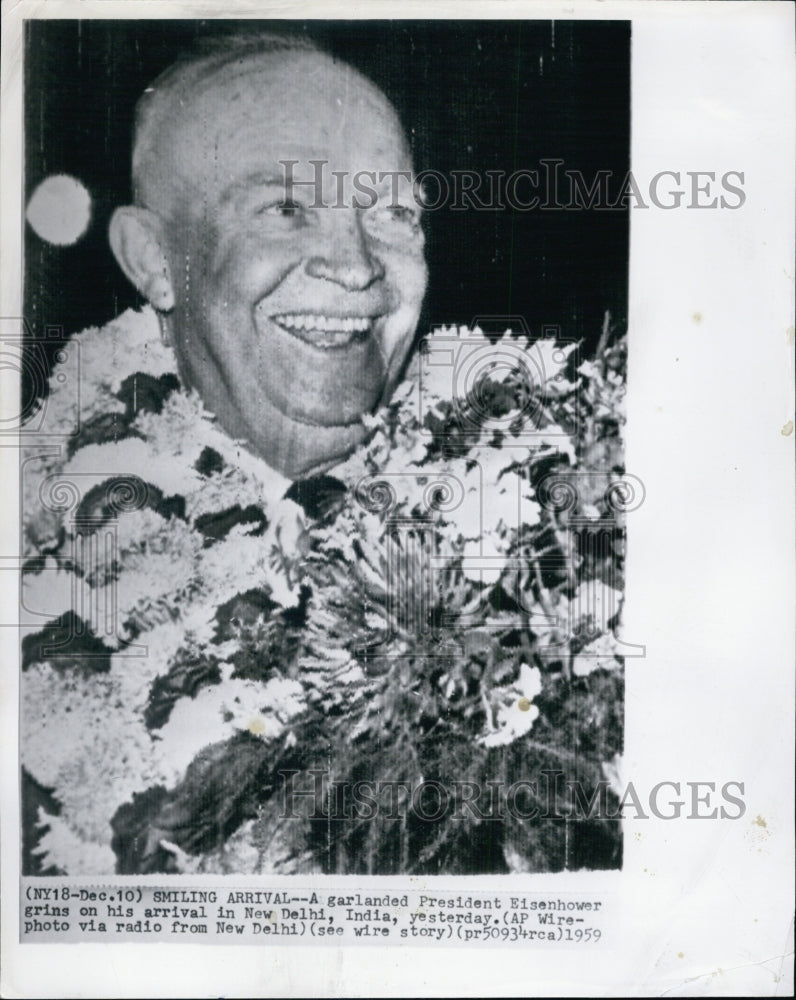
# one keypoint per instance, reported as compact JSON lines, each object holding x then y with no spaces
{"x":327,"y":554}
{"x":397,"y":424}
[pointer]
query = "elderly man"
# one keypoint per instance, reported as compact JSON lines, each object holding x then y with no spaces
{"x":292,"y":315}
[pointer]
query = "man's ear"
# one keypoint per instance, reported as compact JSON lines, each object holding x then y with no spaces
{"x":136,"y":240}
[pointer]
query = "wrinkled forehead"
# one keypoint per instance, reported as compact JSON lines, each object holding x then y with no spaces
{"x":225,"y":121}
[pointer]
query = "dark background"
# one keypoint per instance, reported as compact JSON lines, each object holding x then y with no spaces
{"x":473,"y":95}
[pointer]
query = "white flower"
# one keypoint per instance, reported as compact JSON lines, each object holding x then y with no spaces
{"x":516,"y":714}
{"x":595,"y":604}
{"x":550,"y":358}
{"x":288,"y":525}
{"x":219,"y":711}
{"x":508,"y":505}
{"x":132,"y":456}
{"x":159,"y":577}
{"x":134,"y":527}
{"x":225,"y":489}
{"x":96,"y":362}
{"x":598,"y":655}
{"x":437,"y":366}
{"x":130,"y":342}
{"x":84,"y":736}
{"x":552,"y":438}
{"x":61,"y":847}
{"x":589,"y":369}
{"x":47,"y":594}
{"x":484,"y":558}
{"x":405,"y":391}
{"x":492,"y":462}
{"x":614,"y":773}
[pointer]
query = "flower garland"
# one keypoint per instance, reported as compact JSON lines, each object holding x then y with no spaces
{"x":396,"y":620}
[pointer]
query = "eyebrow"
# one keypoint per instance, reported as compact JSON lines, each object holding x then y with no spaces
{"x":271,"y":178}
{"x":262,"y":178}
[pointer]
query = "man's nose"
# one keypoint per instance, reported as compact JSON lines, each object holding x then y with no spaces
{"x":346,"y":258}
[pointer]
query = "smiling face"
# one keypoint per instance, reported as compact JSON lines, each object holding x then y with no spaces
{"x":291,"y":318}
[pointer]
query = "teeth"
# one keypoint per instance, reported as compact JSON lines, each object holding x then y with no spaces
{"x":324,"y":324}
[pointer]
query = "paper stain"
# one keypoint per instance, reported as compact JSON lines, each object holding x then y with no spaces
{"x":758,"y":835}
{"x":256,"y":727}
{"x":790,"y":336}
{"x":697,"y":317}
{"x":681,"y":954}
{"x":524,"y":705}
{"x":787,"y":429}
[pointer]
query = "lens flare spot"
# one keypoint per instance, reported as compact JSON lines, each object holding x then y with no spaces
{"x":59,"y":210}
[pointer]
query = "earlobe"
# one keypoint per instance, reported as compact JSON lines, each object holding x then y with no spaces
{"x":137,"y":244}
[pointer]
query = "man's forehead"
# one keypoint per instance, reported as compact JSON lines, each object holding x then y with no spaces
{"x":224,"y":122}
{"x":287,"y":87}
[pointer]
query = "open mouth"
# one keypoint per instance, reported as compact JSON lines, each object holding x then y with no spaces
{"x":326,"y":332}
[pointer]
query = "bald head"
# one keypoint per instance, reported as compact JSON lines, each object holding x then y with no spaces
{"x":260,"y":85}
{"x":168,"y":101}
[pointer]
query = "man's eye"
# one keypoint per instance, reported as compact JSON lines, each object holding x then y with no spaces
{"x":401,"y":213}
{"x":395,"y":215}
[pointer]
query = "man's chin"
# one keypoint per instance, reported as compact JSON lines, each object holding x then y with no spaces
{"x":314,"y":372}
{"x":301,"y":450}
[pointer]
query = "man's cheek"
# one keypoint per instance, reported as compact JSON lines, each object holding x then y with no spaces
{"x":408,"y":273}
{"x":252,"y":265}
